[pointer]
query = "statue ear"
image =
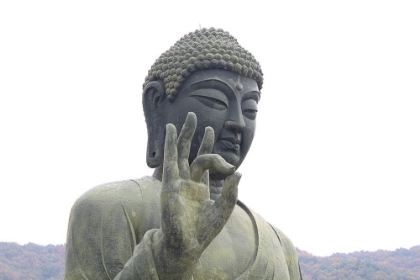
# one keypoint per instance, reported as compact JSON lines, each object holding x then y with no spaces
{"x":153,"y":95}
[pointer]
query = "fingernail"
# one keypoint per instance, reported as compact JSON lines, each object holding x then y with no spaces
{"x":191,"y":114}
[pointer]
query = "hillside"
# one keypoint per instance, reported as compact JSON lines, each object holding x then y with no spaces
{"x":31,"y":261}
{"x":35,"y":262}
{"x":402,"y":264}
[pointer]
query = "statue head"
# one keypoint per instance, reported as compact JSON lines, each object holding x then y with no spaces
{"x":206,"y":72}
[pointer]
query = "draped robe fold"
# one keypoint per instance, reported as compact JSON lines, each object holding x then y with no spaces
{"x":111,"y":231}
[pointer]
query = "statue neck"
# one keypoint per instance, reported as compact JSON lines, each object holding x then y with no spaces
{"x":215,"y":186}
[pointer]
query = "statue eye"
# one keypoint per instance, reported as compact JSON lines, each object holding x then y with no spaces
{"x":212,"y":102}
{"x":211,"y":98}
{"x":250,"y":108}
{"x":250,"y":114}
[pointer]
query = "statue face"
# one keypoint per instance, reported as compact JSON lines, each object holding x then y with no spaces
{"x":224,"y":100}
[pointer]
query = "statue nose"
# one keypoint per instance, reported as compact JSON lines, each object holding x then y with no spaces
{"x":236,"y":126}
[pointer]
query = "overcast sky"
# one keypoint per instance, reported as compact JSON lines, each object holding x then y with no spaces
{"x":336,"y":159}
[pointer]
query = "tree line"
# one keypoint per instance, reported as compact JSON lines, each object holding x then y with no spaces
{"x":401,"y":264}
{"x":35,"y":262}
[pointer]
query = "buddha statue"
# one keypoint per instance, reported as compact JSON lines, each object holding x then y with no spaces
{"x":200,"y":102}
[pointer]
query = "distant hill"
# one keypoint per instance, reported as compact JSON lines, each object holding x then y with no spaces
{"x":31,"y":261}
{"x":402,"y":264}
{"x":35,"y":262}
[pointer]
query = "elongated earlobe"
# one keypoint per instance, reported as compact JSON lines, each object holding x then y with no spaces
{"x":153,"y":96}
{"x":154,"y":154}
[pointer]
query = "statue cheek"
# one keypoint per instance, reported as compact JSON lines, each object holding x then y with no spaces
{"x":249,"y":131}
{"x":247,"y":138}
{"x":214,"y":122}
{"x":246,"y":145}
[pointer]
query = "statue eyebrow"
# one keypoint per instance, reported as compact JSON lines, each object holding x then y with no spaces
{"x":220,"y":85}
{"x":256,"y":95}
{"x":226,"y":89}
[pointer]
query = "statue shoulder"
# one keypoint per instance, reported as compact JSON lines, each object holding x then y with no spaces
{"x":112,"y":218}
{"x":130,"y":193}
{"x":122,"y":191}
{"x":288,"y":247}
{"x":290,"y":253}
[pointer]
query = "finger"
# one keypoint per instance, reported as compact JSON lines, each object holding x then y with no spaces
{"x":206,"y":146}
{"x":206,"y":178}
{"x":221,"y":209}
{"x":226,"y":202}
{"x":213,"y":162}
{"x":170,"y":164}
{"x":184,"y":144}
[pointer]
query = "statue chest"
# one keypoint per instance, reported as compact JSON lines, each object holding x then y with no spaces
{"x":246,"y":248}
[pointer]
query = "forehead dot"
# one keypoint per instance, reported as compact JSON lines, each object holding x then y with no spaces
{"x":239,"y":86}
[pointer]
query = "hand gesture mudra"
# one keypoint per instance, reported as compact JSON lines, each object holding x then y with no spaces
{"x":190,"y":220}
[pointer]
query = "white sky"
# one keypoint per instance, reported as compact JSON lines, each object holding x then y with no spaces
{"x":336,"y":159}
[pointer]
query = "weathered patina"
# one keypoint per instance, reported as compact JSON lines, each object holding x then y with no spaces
{"x":185,"y":221}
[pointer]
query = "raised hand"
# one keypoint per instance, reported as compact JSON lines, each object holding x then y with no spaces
{"x":190,"y":220}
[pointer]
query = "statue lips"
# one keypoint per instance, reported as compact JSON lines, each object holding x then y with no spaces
{"x":231,"y":143}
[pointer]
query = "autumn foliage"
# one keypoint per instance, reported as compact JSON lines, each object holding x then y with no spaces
{"x":401,"y":264}
{"x":33,"y":261}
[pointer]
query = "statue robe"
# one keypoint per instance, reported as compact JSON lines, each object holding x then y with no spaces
{"x":111,"y":230}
